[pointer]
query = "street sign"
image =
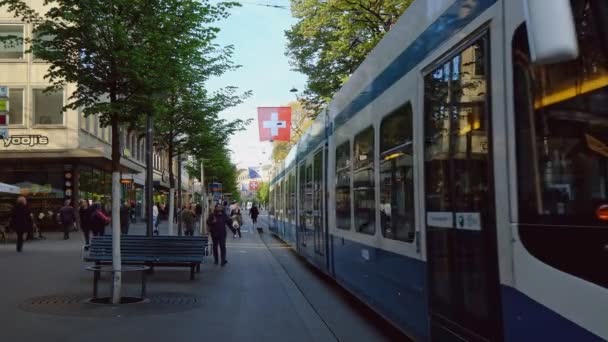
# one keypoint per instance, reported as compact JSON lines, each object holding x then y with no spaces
{"x":3,"y":105}
{"x":3,"y":92}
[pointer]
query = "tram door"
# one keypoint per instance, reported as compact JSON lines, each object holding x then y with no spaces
{"x":317,"y":206}
{"x":459,"y":198}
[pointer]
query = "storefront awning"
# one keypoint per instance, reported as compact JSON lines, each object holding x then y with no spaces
{"x":9,"y":189}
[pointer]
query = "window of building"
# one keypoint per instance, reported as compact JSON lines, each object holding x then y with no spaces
{"x":562,"y":137}
{"x":47,"y":107}
{"x":43,"y":45}
{"x":343,"y":197}
{"x":363,"y":182}
{"x":12,"y":48}
{"x":16,"y":106}
{"x":397,"y":215}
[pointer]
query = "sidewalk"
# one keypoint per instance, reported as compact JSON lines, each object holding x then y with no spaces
{"x":252,"y":298}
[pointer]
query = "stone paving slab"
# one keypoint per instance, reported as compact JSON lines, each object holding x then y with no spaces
{"x":250,"y":299}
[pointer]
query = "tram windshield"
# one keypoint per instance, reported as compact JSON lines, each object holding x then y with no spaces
{"x":562,"y":126}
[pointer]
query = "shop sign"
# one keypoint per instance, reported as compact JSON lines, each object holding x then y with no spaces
{"x":27,"y":140}
{"x":3,"y":105}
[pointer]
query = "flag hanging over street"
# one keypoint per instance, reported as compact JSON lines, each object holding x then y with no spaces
{"x":253,"y":173}
{"x":274,"y":123}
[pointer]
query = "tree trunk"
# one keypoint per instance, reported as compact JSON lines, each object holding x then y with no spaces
{"x":171,"y":188}
{"x":116,"y":257}
{"x":179,"y":193}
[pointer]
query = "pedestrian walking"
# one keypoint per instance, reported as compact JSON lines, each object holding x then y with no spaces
{"x":21,"y":221}
{"x":98,"y":220}
{"x":188,"y":220}
{"x":254,"y":212}
{"x":85,"y":213}
{"x":155,"y":218}
{"x":217,"y":222}
{"x":237,"y":221}
{"x":67,"y":218}
{"x":125,"y":221}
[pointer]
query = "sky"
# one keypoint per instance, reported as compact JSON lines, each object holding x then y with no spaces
{"x":257,"y":34}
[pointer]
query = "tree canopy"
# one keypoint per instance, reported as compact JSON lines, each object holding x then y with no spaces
{"x":332,"y":38}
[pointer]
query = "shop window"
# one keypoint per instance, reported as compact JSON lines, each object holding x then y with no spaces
{"x":13,"y":47}
{"x":16,"y":106}
{"x":562,"y":149}
{"x":363,"y":182}
{"x":343,"y":197}
{"x":48,"y":107}
{"x":397,"y":215}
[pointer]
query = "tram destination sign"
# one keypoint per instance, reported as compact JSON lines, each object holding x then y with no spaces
{"x":25,"y":140}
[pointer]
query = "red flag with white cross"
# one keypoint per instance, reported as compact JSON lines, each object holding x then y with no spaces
{"x":274,"y":123}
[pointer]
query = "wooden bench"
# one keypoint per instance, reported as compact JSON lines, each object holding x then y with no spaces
{"x":172,"y":251}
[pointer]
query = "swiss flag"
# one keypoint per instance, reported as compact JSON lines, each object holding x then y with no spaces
{"x":274,"y":123}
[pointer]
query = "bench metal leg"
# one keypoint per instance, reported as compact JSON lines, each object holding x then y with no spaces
{"x":192,"y":272}
{"x":144,"y":284}
{"x":198,"y":268}
{"x":95,"y":281}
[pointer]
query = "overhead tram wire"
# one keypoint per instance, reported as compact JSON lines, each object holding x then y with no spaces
{"x":265,"y":5}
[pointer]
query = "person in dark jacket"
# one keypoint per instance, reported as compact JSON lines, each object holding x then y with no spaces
{"x":217,"y":222}
{"x":124,"y":218}
{"x":67,"y":217}
{"x":21,"y":221}
{"x":85,"y":212}
{"x":254,"y":212}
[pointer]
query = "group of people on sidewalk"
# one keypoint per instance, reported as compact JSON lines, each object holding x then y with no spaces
{"x":93,"y":220}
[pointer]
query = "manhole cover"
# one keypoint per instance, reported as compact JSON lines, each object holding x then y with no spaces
{"x":79,"y":305}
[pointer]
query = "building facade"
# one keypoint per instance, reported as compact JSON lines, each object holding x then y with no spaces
{"x":53,"y":155}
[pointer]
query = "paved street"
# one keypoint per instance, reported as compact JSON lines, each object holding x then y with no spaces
{"x":253,"y":298}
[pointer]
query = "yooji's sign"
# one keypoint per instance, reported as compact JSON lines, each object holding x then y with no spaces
{"x":26,"y":140}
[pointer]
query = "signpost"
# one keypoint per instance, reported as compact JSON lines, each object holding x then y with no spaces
{"x":4,"y":107}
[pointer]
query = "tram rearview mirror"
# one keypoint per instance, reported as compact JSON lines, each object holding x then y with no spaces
{"x":551,"y":31}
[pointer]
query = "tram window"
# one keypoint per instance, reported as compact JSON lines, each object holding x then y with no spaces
{"x":343,"y":186}
{"x":397,"y":176}
{"x":287,"y":195}
{"x":562,"y":148}
{"x":302,"y":193}
{"x":363,"y":182}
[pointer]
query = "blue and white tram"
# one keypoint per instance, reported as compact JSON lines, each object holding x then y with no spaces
{"x":458,"y":183}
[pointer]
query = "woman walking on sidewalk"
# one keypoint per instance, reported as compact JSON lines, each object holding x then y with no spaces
{"x":217,"y":222}
{"x":21,"y":221}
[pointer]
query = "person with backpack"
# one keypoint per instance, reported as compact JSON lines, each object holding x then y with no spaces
{"x":237,"y":221}
{"x":67,"y":218}
{"x":188,"y":220}
{"x":98,"y":220}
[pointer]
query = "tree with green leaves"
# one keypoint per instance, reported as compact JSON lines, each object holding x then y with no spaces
{"x":263,"y":192}
{"x":118,"y":53}
{"x":332,"y":38}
